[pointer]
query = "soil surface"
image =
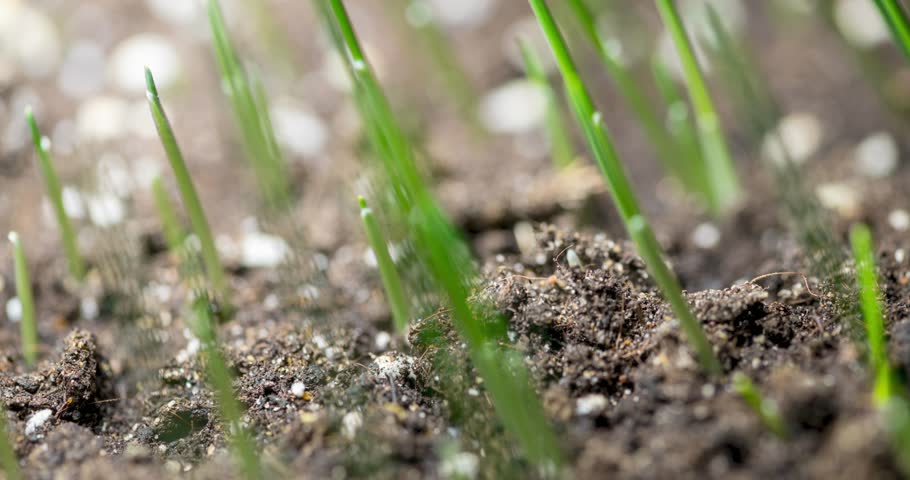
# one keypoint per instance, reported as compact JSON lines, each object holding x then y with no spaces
{"x":331,"y":391}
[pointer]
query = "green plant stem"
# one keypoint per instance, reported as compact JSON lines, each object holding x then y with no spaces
{"x":896,"y":18}
{"x":560,"y":140}
{"x":679,"y":122}
{"x":720,"y":170}
{"x":623,"y":195}
{"x":390,"y":279}
{"x":173,"y":233}
{"x":8,"y":458}
{"x":766,"y":409}
{"x":221,"y":380}
{"x":861,"y":241}
{"x":55,"y":194}
{"x":28,"y":323}
{"x":187,"y":190}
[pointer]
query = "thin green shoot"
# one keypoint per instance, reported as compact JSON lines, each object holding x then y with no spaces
{"x":766,"y":409}
{"x":173,"y":232}
{"x":873,"y":316}
{"x":390,"y":279}
{"x":678,"y":120}
{"x":896,"y":17}
{"x":605,"y":155}
{"x":28,"y":325}
{"x":251,"y":113}
{"x":55,"y":193}
{"x":637,"y":99}
{"x":188,"y":194}
{"x":560,"y":140}
{"x":721,"y":172}
{"x":220,"y":379}
{"x":8,"y":459}
{"x":442,"y":252}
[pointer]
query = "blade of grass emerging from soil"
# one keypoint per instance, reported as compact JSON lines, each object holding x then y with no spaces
{"x":719,"y":167}
{"x":220,"y":379}
{"x":678,"y":119}
{"x":55,"y":194}
{"x":188,"y":194}
{"x":443,"y":253}
{"x":896,"y":17}
{"x":766,"y":409}
{"x":873,"y":317}
{"x":28,"y":323}
{"x":390,"y":279}
{"x":251,"y":113}
{"x":601,"y":146}
{"x":173,"y":233}
{"x":8,"y":459}
{"x":558,"y":133}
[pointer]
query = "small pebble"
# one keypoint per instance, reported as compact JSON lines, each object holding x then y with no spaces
{"x":298,"y":129}
{"x":350,"y":423}
{"x":14,"y":310}
{"x":797,"y":136}
{"x":590,"y":404}
{"x":463,"y":13}
{"x":261,"y":250}
{"x":706,"y":236}
{"x":37,"y":420}
{"x":899,"y":220}
{"x":133,"y":54}
{"x":839,"y":197}
{"x":861,"y":23}
{"x":101,"y":119}
{"x":463,"y":465}
{"x":518,"y":106}
{"x":876,"y":156}
{"x":382,"y":340}
{"x":298,"y":389}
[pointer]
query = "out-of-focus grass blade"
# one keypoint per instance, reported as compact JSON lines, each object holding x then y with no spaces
{"x":28,"y":326}
{"x":390,"y":279}
{"x":560,"y":140}
{"x":894,"y":14}
{"x":766,"y":409}
{"x":173,"y":234}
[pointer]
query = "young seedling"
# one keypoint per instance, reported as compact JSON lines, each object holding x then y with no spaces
{"x":678,"y":119}
{"x":28,"y":325}
{"x":390,"y":279}
{"x":896,"y":17}
{"x":251,"y":113}
{"x":601,"y":146}
{"x":861,"y":241}
{"x":55,"y":194}
{"x":442,"y":252}
{"x":560,"y":140}
{"x":173,"y":232}
{"x":187,"y":190}
{"x":220,"y":379}
{"x":635,"y":96}
{"x":721,"y":173}
{"x":766,"y":409}
{"x":8,"y":459}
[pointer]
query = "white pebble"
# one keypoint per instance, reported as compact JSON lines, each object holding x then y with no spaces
{"x":133,"y":54}
{"x":37,"y":420}
{"x":899,"y":220}
{"x":839,"y":197}
{"x":706,"y":236}
{"x":798,"y":136}
{"x":72,"y":202}
{"x":88,"y":307}
{"x":590,"y":404}
{"x":29,"y":38}
{"x":82,"y":71}
{"x":350,"y":423}
{"x":14,"y":310}
{"x":299,"y":130}
{"x":464,"y":465}
{"x":876,"y":156}
{"x":382,"y":340}
{"x":298,"y":389}
{"x":515,"y":107}
{"x":860,"y":23}
{"x":261,"y":250}
{"x":105,"y":209}
{"x":101,"y":119}
{"x":181,"y":13}
{"x":463,"y":13}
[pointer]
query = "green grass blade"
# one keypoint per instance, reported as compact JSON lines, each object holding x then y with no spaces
{"x":896,"y":17}
{"x":251,"y":114}
{"x":55,"y":194}
{"x":720,"y":169}
{"x":221,"y":381}
{"x":678,"y":120}
{"x":8,"y":459}
{"x":623,"y":195}
{"x":390,"y":279}
{"x":443,"y":252}
{"x":873,"y":316}
{"x":28,"y":323}
{"x":188,"y":194}
{"x":173,"y":233}
{"x":766,"y":409}
{"x":560,"y":140}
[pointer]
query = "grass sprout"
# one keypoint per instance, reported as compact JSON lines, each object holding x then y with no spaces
{"x":766,"y":409}
{"x":873,"y":316}
{"x":28,"y":323}
{"x":55,"y":193}
{"x":220,"y":379}
{"x":896,"y":17}
{"x":251,"y":113}
{"x":560,"y":139}
{"x":173,"y":232}
{"x":443,"y":252}
{"x":719,"y":168}
{"x":605,"y":155}
{"x":198,"y":220}
{"x":390,"y":279}
{"x":8,"y":459}
{"x":678,"y":120}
